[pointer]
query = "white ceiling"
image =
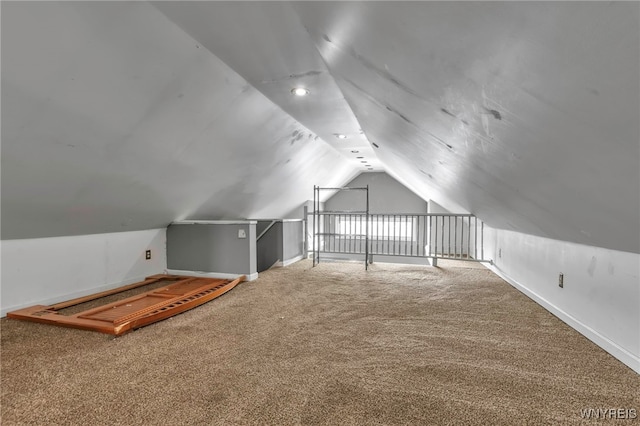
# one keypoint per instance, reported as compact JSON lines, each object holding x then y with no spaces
{"x":121,"y":116}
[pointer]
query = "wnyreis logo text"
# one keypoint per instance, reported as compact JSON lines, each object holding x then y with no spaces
{"x":609,"y":413}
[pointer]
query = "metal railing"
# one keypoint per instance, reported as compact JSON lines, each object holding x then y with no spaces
{"x":433,"y":235}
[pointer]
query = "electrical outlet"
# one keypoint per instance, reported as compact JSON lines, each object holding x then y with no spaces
{"x":242,"y":233}
{"x":561,"y":280}
{"x":147,"y":254}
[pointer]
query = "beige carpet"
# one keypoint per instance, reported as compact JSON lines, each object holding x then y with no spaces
{"x":331,"y":345}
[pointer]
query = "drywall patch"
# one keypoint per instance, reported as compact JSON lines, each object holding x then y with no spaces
{"x":592,"y":266}
{"x":496,"y":114}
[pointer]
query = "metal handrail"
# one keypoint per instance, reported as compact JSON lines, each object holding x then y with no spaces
{"x":429,"y":235}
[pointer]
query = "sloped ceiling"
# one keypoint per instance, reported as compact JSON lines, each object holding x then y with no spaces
{"x":525,"y":114}
{"x":114,"y":119}
{"x":121,"y":116}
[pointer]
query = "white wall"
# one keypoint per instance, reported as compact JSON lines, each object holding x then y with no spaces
{"x":49,"y":270}
{"x":601,"y":294}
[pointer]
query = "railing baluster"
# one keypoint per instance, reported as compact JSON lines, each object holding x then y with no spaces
{"x":475,"y":239}
{"x":360,"y":234}
{"x":390,"y":236}
{"x":415,"y":237}
{"x":337,"y":243}
{"x":482,"y":240}
{"x":330,"y":232}
{"x":455,"y":237}
{"x":442,"y":238}
{"x":428,"y":233}
{"x":404,"y":232}
{"x":448,"y":236}
{"x":469,"y":239}
{"x":435,"y":237}
{"x":377,"y":234}
{"x":350,"y":232}
{"x":395,"y":238}
{"x":333,"y":231}
{"x":327,"y":230}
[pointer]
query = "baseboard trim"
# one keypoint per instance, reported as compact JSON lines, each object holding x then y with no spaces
{"x":623,"y":355}
{"x":250,"y":277}
{"x":292,"y":260}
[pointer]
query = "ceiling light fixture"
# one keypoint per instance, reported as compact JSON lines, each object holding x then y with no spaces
{"x":340,"y":136}
{"x":355,"y":152}
{"x":300,"y":91}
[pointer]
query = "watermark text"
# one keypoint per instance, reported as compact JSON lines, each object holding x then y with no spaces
{"x":609,"y":413}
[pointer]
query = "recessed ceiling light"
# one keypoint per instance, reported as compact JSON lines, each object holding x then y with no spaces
{"x":359,"y":158}
{"x":370,"y":168}
{"x":300,"y":91}
{"x":364,"y":161}
{"x":355,"y":152}
{"x":340,"y":136}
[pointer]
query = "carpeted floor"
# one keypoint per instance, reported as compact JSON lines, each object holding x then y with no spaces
{"x":331,"y":345}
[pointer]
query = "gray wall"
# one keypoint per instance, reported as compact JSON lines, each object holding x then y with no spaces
{"x":292,"y":239}
{"x":281,"y":243}
{"x":386,"y":195}
{"x":269,"y":247}
{"x":212,"y":247}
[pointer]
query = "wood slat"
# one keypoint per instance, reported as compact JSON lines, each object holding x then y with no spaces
{"x":90,"y":297}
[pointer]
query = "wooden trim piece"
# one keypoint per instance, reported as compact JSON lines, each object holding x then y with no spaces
{"x":136,"y":311}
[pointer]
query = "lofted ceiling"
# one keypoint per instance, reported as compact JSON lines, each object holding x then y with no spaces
{"x":120,"y":116}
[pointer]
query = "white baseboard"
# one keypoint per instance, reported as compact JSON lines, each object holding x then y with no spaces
{"x":282,"y":264}
{"x":292,"y":260}
{"x":629,"y":359}
{"x":250,"y":277}
{"x":75,"y":294}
